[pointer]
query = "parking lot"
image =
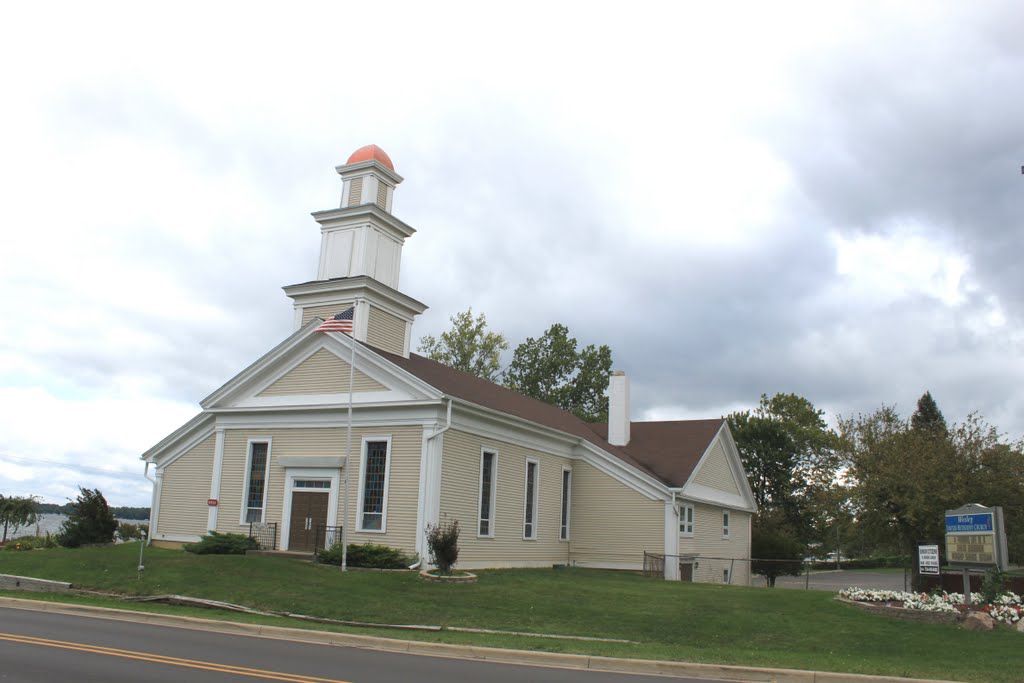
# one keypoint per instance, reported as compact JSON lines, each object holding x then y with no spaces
{"x":836,"y":580}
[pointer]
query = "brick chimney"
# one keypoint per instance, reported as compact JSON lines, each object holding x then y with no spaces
{"x":618,"y":409}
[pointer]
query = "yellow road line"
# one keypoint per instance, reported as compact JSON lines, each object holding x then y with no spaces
{"x":163,"y":659}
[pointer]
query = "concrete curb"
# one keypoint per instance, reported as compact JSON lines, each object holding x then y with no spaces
{"x":565,"y":661}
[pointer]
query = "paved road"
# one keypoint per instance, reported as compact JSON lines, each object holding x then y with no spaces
{"x":42,"y":647}
{"x":837,"y":580}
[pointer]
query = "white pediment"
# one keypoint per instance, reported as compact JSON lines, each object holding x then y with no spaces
{"x":313,"y":369}
{"x":719,"y":476}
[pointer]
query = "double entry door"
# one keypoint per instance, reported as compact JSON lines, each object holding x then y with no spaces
{"x":309,"y":514}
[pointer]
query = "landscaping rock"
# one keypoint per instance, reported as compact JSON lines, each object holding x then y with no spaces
{"x":978,"y":621}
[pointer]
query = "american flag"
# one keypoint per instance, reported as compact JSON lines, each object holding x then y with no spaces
{"x":339,"y":323}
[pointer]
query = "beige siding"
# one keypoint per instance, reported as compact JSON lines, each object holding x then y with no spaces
{"x":715,"y":552}
{"x":385,"y":331}
{"x":460,"y":499}
{"x":355,"y":193}
{"x":321,"y":373}
{"x":715,"y":471}
{"x":403,"y":481}
{"x":184,"y":490}
{"x":324,"y":311}
{"x":612,"y":523}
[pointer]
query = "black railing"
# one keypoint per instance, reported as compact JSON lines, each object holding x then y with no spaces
{"x":326,"y":537}
{"x":265,"y":535}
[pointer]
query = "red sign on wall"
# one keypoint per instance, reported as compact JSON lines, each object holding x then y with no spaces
{"x":212,"y":502}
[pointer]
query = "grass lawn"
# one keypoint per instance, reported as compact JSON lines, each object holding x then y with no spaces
{"x":675,"y":621}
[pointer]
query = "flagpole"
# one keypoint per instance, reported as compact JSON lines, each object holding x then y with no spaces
{"x":348,"y":449}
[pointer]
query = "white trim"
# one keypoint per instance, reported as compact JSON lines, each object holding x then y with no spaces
{"x":362,"y":484}
{"x":154,"y":510}
{"x":687,"y":510}
{"x":293,"y":473}
{"x":536,"y":498}
{"x":670,"y":567}
{"x":480,"y":492}
{"x":361,"y":323}
{"x":198,"y":422}
{"x":218,"y":467}
{"x":713,"y":496}
{"x":565,"y":505}
{"x":266,"y":480}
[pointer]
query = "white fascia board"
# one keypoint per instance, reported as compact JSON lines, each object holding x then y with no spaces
{"x":349,"y":216}
{"x":706,"y":494}
{"x":736,"y":462}
{"x":494,"y":424}
{"x":260,"y":363}
{"x":346,"y":170}
{"x":624,"y":473}
{"x":199,"y":426}
{"x":332,"y":400}
{"x":502,"y":426}
{"x":327,"y":290}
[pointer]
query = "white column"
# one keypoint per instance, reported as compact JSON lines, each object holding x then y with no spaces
{"x":671,"y":542}
{"x":218,"y":466}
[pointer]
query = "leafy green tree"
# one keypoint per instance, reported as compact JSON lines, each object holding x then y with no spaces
{"x":552,"y":369}
{"x":468,"y":346}
{"x":789,"y":454}
{"x":90,"y":520}
{"x":17,"y":512}
{"x":776,"y":552}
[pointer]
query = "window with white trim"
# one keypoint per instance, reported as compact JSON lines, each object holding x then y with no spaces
{"x":686,"y":520}
{"x":257,"y":462}
{"x":530,"y":502}
{"x":725,"y":524}
{"x":373,"y":485}
{"x":563,"y":533}
{"x":488,"y":479}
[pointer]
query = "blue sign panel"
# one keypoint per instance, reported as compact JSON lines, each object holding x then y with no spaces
{"x":961,"y":524}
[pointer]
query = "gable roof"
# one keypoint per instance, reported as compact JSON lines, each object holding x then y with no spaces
{"x":668,"y":451}
{"x":671,"y":450}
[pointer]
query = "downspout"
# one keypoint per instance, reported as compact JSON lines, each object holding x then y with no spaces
{"x":154,"y":509}
{"x":439,"y":432}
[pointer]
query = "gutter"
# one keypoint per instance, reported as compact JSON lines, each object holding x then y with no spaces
{"x":154,"y":509}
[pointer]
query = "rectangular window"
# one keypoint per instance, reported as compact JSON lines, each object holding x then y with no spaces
{"x":256,"y":481}
{"x":530,"y":507}
{"x":725,"y":524}
{"x":373,"y":490}
{"x":725,"y":575}
{"x":488,"y":469}
{"x":686,"y":520}
{"x":566,"y":494}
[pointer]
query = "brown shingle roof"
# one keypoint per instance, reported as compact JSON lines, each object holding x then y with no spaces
{"x":668,"y":451}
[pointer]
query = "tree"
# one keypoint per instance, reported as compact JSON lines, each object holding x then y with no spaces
{"x":789,"y":454}
{"x":16,"y":512}
{"x":551,"y":369}
{"x":777,"y":553}
{"x":468,"y":346}
{"x":90,"y":520}
{"x":928,"y":416}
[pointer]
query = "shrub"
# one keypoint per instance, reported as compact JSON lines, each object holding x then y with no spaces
{"x":367,"y":555}
{"x":222,"y":544}
{"x":992,"y":585}
{"x":90,"y":520}
{"x":777,"y":555}
{"x":131,"y":532}
{"x":443,"y":542}
{"x":24,"y":543}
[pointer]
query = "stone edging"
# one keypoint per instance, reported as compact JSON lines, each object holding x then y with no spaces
{"x":464,"y":577}
{"x":903,"y":612}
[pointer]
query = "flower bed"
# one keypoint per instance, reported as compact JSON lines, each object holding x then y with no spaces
{"x":1007,"y":608}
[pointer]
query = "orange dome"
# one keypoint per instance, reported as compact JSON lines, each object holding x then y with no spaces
{"x":370,"y":152}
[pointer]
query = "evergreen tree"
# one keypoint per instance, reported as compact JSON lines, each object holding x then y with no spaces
{"x":90,"y":520}
{"x":928,"y":417}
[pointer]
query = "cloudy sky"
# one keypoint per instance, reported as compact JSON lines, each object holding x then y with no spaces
{"x":817,"y":198}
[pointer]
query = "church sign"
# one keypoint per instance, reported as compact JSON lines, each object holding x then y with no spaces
{"x":975,"y":537}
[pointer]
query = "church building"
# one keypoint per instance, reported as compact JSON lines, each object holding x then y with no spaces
{"x":531,"y":485}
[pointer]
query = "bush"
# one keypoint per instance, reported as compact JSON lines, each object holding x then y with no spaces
{"x":222,"y":544}
{"x":368,"y":555}
{"x":131,"y":532}
{"x":90,"y":520}
{"x":992,"y":585}
{"x":443,"y":542}
{"x":777,"y":553}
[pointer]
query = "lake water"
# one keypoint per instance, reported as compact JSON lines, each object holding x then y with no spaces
{"x":52,"y":522}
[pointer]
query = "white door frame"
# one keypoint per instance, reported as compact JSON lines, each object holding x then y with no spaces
{"x":293,"y":473}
